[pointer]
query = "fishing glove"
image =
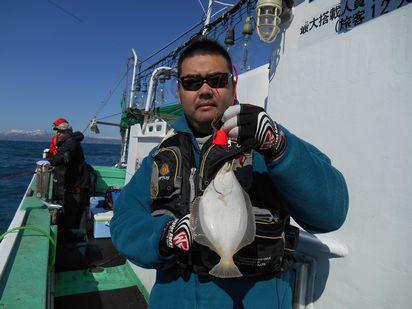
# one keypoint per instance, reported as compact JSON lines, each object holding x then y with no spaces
{"x":176,"y":235}
{"x":251,"y":126}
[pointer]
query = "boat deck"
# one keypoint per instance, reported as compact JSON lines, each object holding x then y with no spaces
{"x":92,"y":274}
{"x":118,"y":298}
{"x":81,"y":271}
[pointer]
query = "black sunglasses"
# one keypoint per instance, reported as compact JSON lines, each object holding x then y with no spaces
{"x":214,"y":80}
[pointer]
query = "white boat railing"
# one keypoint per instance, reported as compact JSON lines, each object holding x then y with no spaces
{"x":7,"y":244}
{"x":312,"y":253}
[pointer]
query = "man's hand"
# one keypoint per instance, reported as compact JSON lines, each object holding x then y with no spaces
{"x":176,"y":235}
{"x":251,"y":126}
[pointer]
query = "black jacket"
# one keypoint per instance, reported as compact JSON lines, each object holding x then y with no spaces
{"x":70,"y":158}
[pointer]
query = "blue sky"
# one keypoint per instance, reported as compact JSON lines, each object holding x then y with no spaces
{"x":61,"y":58}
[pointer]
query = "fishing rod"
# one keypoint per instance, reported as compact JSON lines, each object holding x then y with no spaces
{"x":8,"y":177}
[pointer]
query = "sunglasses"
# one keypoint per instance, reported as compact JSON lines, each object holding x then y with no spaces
{"x":214,"y":80}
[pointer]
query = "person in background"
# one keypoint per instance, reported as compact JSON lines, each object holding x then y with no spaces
{"x":283,"y":175}
{"x":69,"y":162}
{"x":58,"y":173}
{"x":53,"y":148}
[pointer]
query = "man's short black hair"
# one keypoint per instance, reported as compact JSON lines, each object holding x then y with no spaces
{"x":203,"y":46}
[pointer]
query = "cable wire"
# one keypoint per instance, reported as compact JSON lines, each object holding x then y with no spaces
{"x":109,"y":95}
{"x":143,"y":74}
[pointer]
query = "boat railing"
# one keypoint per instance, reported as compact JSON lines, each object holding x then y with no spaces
{"x":312,"y":263}
{"x":9,"y":239}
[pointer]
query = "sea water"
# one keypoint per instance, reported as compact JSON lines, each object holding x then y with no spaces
{"x":18,"y":164}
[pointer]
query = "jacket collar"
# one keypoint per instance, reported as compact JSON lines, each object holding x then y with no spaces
{"x":181,"y":125}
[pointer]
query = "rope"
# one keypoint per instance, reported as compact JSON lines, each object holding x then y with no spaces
{"x":41,"y":231}
{"x":109,"y":95}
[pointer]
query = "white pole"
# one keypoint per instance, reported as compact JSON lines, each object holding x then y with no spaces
{"x":153,"y":84}
{"x":152,"y":90}
{"x":208,"y":14}
{"x":132,"y":90}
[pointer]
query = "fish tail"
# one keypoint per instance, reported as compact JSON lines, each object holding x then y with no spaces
{"x":225,"y":270}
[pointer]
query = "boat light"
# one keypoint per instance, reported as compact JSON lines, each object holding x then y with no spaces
{"x":248,"y":26}
{"x":141,"y":95}
{"x":230,"y":36}
{"x":268,"y":19}
{"x":247,"y":45}
{"x":162,"y":94}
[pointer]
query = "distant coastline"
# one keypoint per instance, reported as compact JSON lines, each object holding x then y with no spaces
{"x":44,"y":136}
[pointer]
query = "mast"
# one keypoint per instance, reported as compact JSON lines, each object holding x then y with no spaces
{"x":208,"y":15}
{"x":131,"y":95}
{"x":132,"y":88}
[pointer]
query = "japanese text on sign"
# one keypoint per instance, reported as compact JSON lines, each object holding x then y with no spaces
{"x":351,"y":13}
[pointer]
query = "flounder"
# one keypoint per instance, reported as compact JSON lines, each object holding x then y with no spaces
{"x":222,"y":219}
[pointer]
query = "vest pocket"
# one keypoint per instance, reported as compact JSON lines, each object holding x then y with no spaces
{"x":166,"y":173}
{"x":265,"y":254}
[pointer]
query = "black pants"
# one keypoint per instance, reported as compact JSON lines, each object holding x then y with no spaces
{"x":74,"y":205}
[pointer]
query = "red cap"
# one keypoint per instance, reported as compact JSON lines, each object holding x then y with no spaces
{"x":220,"y":138}
{"x":59,"y":121}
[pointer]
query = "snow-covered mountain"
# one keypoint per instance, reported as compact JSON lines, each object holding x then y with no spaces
{"x":42,"y":136}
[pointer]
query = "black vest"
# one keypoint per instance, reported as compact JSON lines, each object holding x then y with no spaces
{"x":176,"y":182}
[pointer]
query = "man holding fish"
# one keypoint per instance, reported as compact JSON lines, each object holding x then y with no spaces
{"x":210,"y":207}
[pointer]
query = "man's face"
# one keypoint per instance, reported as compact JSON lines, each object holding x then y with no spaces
{"x":62,"y":135}
{"x":206,"y":104}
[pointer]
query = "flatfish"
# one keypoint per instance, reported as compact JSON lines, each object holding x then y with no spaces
{"x":222,"y":219}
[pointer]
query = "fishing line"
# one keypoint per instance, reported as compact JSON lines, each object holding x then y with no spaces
{"x":210,"y":26}
{"x":166,"y":46}
{"x":111,"y":92}
{"x":65,"y":11}
{"x":109,"y":116}
{"x":8,"y":177}
{"x":109,"y":95}
{"x":203,"y":8}
{"x":214,"y":24}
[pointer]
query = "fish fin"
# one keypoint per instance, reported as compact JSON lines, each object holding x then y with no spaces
{"x":250,"y":232}
{"x":224,"y":270}
{"x":196,"y":227}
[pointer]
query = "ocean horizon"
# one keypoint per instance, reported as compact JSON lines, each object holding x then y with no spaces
{"x":18,"y":163}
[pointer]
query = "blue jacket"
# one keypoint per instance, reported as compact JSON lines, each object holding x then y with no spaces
{"x":316,"y":197}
